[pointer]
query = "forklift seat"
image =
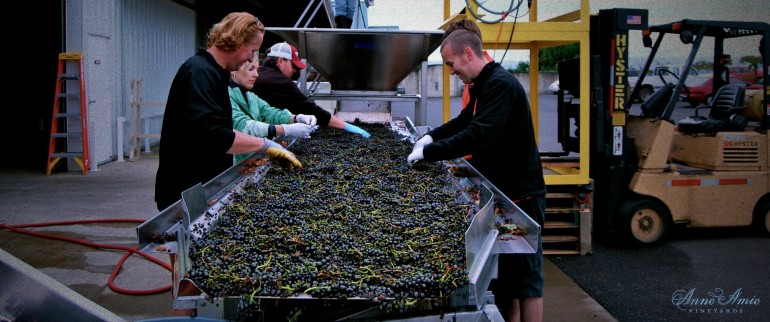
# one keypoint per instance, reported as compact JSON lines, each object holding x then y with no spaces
{"x":655,"y":105}
{"x":726,"y":113}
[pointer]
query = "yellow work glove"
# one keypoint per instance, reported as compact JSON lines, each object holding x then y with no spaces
{"x":283,"y":157}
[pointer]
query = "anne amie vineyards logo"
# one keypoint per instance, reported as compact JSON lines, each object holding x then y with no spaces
{"x":717,"y":301}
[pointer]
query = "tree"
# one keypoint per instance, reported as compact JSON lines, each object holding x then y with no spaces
{"x":703,"y":66}
{"x":753,"y":61}
{"x":550,"y":57}
{"x":522,"y":67}
{"x":707,"y":66}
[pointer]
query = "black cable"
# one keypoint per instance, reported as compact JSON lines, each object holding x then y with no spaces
{"x":510,"y":38}
{"x":503,"y":13}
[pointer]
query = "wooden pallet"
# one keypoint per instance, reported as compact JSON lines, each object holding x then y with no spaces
{"x":567,"y":228}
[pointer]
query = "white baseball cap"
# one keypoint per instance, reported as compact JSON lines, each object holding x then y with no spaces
{"x":286,"y":51}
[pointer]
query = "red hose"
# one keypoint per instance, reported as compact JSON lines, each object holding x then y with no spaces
{"x":129,"y":250}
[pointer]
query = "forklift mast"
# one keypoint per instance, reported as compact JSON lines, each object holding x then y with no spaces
{"x":613,"y":159}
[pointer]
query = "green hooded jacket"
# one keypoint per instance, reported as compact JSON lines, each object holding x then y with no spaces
{"x":253,"y":116}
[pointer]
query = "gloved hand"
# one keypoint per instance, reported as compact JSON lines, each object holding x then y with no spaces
{"x":415,"y":156}
{"x":283,"y":157}
{"x":357,"y":130}
{"x":298,"y":130}
{"x":423,"y":141}
{"x":307,"y":119}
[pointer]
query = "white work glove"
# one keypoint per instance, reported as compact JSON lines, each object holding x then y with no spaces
{"x":415,"y":156}
{"x":423,"y":141}
{"x":307,"y":119}
{"x":297,"y":130}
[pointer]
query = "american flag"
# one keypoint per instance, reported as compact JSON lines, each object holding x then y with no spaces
{"x":634,"y":20}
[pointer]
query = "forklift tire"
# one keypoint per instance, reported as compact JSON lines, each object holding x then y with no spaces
{"x":762,"y":218}
{"x":645,"y":222}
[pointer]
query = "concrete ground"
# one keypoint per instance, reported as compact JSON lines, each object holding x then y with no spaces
{"x":115,"y":191}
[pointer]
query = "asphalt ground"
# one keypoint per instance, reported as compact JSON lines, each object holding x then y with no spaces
{"x":646,"y":284}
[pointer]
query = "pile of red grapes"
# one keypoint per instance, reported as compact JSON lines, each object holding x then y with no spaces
{"x":354,"y":222}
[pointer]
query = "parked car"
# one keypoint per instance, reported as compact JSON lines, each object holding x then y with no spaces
{"x":554,"y":87}
{"x":700,"y":89}
{"x":747,"y":73}
{"x":656,"y":78}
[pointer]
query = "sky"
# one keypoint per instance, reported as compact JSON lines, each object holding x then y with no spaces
{"x":428,"y":14}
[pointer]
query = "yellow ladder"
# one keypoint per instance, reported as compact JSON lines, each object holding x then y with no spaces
{"x":64,"y":134}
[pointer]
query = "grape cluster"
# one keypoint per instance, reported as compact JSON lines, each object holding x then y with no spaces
{"x":355,"y":222}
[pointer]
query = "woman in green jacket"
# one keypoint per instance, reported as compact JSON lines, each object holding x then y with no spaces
{"x":253,"y":116}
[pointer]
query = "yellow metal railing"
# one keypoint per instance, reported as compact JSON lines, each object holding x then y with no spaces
{"x":533,"y":35}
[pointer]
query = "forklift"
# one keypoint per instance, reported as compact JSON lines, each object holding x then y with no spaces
{"x":625,"y":170}
{"x":652,"y":171}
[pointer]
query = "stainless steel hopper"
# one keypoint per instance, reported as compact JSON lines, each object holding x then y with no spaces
{"x":362,"y":59}
{"x":366,"y":65}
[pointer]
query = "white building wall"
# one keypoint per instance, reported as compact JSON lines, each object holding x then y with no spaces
{"x":91,"y":29}
{"x":122,"y":40}
{"x":158,"y":36}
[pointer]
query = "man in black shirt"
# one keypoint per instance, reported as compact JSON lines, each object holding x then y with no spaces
{"x":497,"y":130}
{"x":276,"y":87}
{"x":197,"y":139}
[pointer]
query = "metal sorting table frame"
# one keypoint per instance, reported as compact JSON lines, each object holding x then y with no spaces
{"x":201,"y":205}
{"x":420,"y":105}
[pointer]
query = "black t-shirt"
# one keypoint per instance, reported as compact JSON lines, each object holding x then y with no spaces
{"x":197,"y":128}
{"x":500,"y":135}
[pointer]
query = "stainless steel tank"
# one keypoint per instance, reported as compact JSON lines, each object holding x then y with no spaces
{"x":362,"y":59}
{"x":365,"y":66}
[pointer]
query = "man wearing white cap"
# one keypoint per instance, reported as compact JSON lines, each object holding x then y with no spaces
{"x":276,"y":87}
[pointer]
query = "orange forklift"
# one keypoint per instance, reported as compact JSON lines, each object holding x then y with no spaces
{"x":652,"y":170}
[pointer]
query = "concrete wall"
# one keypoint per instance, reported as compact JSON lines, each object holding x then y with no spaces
{"x":435,"y":80}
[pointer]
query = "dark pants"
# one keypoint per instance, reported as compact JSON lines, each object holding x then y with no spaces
{"x":343,"y":22}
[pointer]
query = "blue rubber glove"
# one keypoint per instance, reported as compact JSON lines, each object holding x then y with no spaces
{"x":357,"y":130}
